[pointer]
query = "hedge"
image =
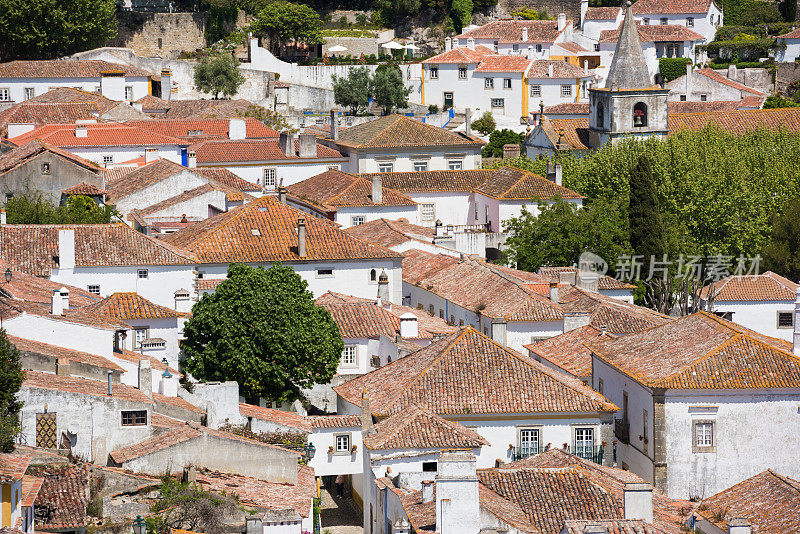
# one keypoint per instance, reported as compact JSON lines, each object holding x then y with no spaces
{"x":740,"y":50}
{"x":729,"y":33}
{"x":671,"y":68}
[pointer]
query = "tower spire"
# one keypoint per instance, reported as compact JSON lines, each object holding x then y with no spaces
{"x":629,"y":67}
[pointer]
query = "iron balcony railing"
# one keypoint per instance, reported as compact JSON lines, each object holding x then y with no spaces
{"x":594,"y":454}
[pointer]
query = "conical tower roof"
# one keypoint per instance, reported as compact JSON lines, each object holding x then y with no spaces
{"x":629,"y":67}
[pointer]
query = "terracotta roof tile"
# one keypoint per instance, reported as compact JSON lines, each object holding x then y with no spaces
{"x":334,"y":421}
{"x":56,"y":352}
{"x":719,"y":78}
{"x":15,"y":308}
{"x":179,"y":402}
{"x":568,"y":108}
{"x":766,"y":286}
{"x":605,"y":282}
{"x":230,"y":193}
{"x":225,"y":177}
{"x":399,"y":131}
{"x":387,"y":233}
{"x":30,"y":490}
{"x":422,"y":516}
{"x":264,"y":230}
{"x":150,"y":102}
{"x":611,"y":526}
{"x":131,"y":305}
{"x":83,"y":386}
{"x":154,"y":444}
{"x":135,"y":357}
{"x":207,"y":109}
{"x":30,"y":288}
{"x":433,"y":181}
{"x":24,"y":153}
{"x":336,"y":189}
{"x":280,"y":417}
{"x":461,"y":54}
{"x":794,"y":34}
{"x":787,"y":119}
{"x":568,"y":351}
{"x":504,"y":63}
{"x":97,"y":135}
{"x":771,"y":502}
{"x":466,"y":372}
{"x":616,"y":316}
{"x":60,"y":105}
{"x":13,"y":467}
{"x":196,"y":129}
{"x":62,"y":499}
{"x":602,"y":13}
{"x":66,"y":68}
{"x":84,"y":189}
{"x":656,"y":33}
{"x":509,"y":183}
{"x":510,"y":31}
{"x":665,"y":7}
{"x":714,"y":106}
{"x":162,"y":421}
{"x":217,"y":151}
{"x":540,"y":68}
{"x":567,"y":133}
{"x":417,"y":428}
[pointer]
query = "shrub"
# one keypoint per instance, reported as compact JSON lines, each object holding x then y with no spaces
{"x":433,"y":109}
{"x":485,"y":125}
{"x":497,"y":140}
{"x":671,"y":68}
{"x":777,"y":101}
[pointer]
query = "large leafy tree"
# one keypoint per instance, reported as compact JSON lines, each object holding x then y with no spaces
{"x":354,"y":90}
{"x":283,"y":22}
{"x":497,"y":140}
{"x":47,"y":29}
{"x":782,"y":253}
{"x":644,"y":213}
{"x":389,"y":91}
{"x":33,"y":208}
{"x":262,"y":328}
{"x":218,"y":74}
{"x":11,"y":377}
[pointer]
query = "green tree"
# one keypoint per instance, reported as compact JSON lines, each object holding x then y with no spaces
{"x":782,"y":253}
{"x":461,"y":13}
{"x":218,"y":74}
{"x":353,"y":91}
{"x":389,"y":91}
{"x":185,"y":505}
{"x":777,"y":101}
{"x":282,"y":22}
{"x":11,"y":378}
{"x":497,"y":140}
{"x":46,"y":29}
{"x":221,"y":15}
{"x":644,"y":213}
{"x":81,"y":209}
{"x":262,"y":328}
{"x":486,"y":124}
{"x":33,"y":208}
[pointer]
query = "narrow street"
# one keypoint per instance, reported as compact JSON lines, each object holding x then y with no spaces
{"x":340,"y":515}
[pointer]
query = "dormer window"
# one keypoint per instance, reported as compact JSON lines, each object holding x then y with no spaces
{"x":640,"y":115}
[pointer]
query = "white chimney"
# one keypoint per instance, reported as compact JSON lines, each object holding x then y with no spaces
{"x":448,"y":44}
{"x":192,"y":160}
{"x":377,"y":189}
{"x":471,"y":43}
{"x":145,"y":377}
{"x":562,"y":21}
{"x":66,"y":249}
{"x":150,"y":155}
{"x":19,"y":129}
{"x":738,"y":525}
{"x":56,"y":303}
{"x":688,"y":88}
{"x":457,"y":504}
{"x":638,"y":501}
{"x":64,"y":292}
{"x":112,"y":85}
{"x":409,"y":326}
{"x":468,"y":121}
{"x":796,"y":336}
{"x":3,"y":220}
{"x":301,"y":238}
{"x":530,"y":52}
{"x":110,"y":391}
{"x":525,"y":34}
{"x":237,"y":129}
{"x":427,"y":491}
{"x":166,"y":84}
{"x":81,"y":130}
{"x":558,"y":173}
{"x":307,"y":145}
{"x":138,"y":106}
{"x":334,"y":124}
{"x":455,"y":42}
{"x":554,"y":290}
{"x":584,"y":9}
{"x":286,"y":143}
{"x":550,"y":69}
{"x":383,"y":290}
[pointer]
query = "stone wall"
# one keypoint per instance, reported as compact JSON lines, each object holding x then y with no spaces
{"x":787,"y":73}
{"x":572,"y":8}
{"x":160,"y":34}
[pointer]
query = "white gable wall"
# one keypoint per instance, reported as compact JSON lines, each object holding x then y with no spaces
{"x":761,"y":316}
{"x":17,"y":86}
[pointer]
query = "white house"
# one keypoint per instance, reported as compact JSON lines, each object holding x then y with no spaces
{"x":764,"y":302}
{"x":552,"y":82}
{"x":698,"y":395}
{"x":23,"y":80}
{"x":395,"y":143}
{"x":792,"y":50}
{"x":708,"y":85}
{"x":508,"y":36}
{"x":606,"y":285}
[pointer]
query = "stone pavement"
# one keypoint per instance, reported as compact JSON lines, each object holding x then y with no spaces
{"x":340,"y":515}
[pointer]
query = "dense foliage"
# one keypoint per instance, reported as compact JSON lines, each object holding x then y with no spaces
{"x":777,"y":101}
{"x":186,"y":506}
{"x":750,"y":12}
{"x":32,"y":208}
{"x":644,"y":214}
{"x":671,"y":68}
{"x":485,"y":124}
{"x":11,"y":377}
{"x":262,"y":328}
{"x":218,"y":74}
{"x":497,"y":140}
{"x":389,"y":92}
{"x":782,"y":253}
{"x":284,"y":22}
{"x":221,"y":15}
{"x":288,"y":439}
{"x":354,"y":90}
{"x":385,"y":88}
{"x":47,"y":29}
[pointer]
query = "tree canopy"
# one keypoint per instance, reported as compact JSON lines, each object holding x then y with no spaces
{"x":218,"y":74}
{"x":389,"y":91}
{"x":644,"y":213}
{"x":47,"y":29}
{"x":11,"y":378}
{"x":32,"y":208}
{"x":354,"y":90}
{"x":262,"y":328}
{"x":497,"y":140}
{"x":782,"y":253}
{"x":282,"y":22}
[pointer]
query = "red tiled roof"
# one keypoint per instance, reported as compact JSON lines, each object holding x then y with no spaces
{"x":30,"y":490}
{"x":62,"y":499}
{"x":510,"y":31}
{"x":568,"y":350}
{"x":510,"y":183}
{"x":719,"y":78}
{"x":336,"y":189}
{"x":602,"y":13}
{"x":393,"y":131}
{"x":752,"y":102}
{"x":238,"y":150}
{"x":787,"y":119}
{"x":504,"y":63}
{"x":97,"y":135}
{"x":180,"y":402}
{"x":56,"y":352}
{"x":162,"y":421}
{"x":711,"y":106}
{"x":540,"y":68}
{"x":766,"y":286}
{"x":656,"y":33}
{"x":24,"y":153}
{"x":611,"y":526}
{"x":135,"y":357}
{"x":334,"y":421}
{"x":131,"y":305}
{"x":142,"y":177}
{"x":568,"y":108}
{"x":567,"y":133}
{"x":156,"y":443}
{"x":417,"y":428}
{"x":466,"y":372}
{"x":84,"y":189}
{"x":433,"y":181}
{"x":461,"y":54}
{"x":665,"y":7}
{"x":83,"y":386}
{"x":13,"y":467}
{"x":208,"y":109}
{"x":264,"y":230}
{"x":771,"y":502}
{"x":15,"y":308}
{"x":702,"y":351}
{"x":30,"y":288}
{"x":605,"y":282}
{"x":207,"y":284}
{"x":388,"y":233}
{"x":616,"y":316}
{"x":575,"y":48}
{"x":60,"y":105}
{"x":279,"y":417}
{"x":197,"y":129}
{"x":225,"y":177}
{"x":794,"y":34}
{"x":66,"y":68}
{"x":150,"y":102}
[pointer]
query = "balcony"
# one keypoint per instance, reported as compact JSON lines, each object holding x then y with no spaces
{"x":594,"y":454}
{"x":622,"y":430}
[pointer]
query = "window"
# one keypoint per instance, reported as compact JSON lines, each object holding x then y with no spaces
{"x":373,"y":275}
{"x":427,"y":211}
{"x":506,"y":83}
{"x":600,"y":114}
{"x":324,"y":273}
{"x":430,"y":310}
{"x":461,"y":322}
{"x":690,"y":22}
{"x":94,"y":289}
{"x":498,"y":102}
{"x":108,"y":160}
{"x":597,"y":47}
{"x":128,"y":92}
{"x":645,"y":425}
{"x":30,"y":92}
{"x":270,"y":178}
{"x":683,"y":98}
{"x":46,"y":168}
{"x":429,"y":467}
{"x":703,"y":436}
{"x":566,"y":91}
{"x":536,"y":90}
{"x":538,"y":48}
{"x":332,"y":168}
{"x":349,"y":355}
{"x":488,"y":83}
{"x":434,"y":73}
{"x":441,"y":314}
{"x":355,"y":220}
{"x":663,"y":21}
{"x":420,"y":166}
{"x":646,"y":21}
{"x":141,"y":333}
{"x":343,"y":443}
{"x":5,"y":94}
{"x":455,"y":164}
{"x":496,"y":45}
{"x":600,"y":386}
{"x":703,"y":98}
{"x":640,"y":115}
{"x":785,"y":320}
{"x":584,"y":442}
{"x":142,"y":273}
{"x":528,"y":442}
{"x":386,"y":167}
{"x":134,"y":417}
{"x":515,"y":47}
{"x":462,"y":73}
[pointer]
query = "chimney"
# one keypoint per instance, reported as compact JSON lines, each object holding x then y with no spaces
{"x":550,"y":69}
{"x":150,"y":155}
{"x":383,"y":290}
{"x":62,"y":367}
{"x":237,"y":129}
{"x":562,"y":21}
{"x":192,"y":160}
{"x":138,"y":106}
{"x":554,"y":290}
{"x":638,"y":501}
{"x":530,"y":52}
{"x":471,"y":43}
{"x":286,"y":144}
{"x":3,"y":220}
{"x":739,"y":525}
{"x":301,"y":238}
{"x":56,"y":304}
{"x":427,"y":491}
{"x":525,"y":34}
{"x":409,"y":326}
{"x":468,"y":121}
{"x":308,"y":145}
{"x":796,"y":336}
{"x":81,"y":130}
{"x":511,"y":151}
{"x":377,"y":189}
{"x":588,"y":279}
{"x":401,"y":526}
{"x":166,"y":84}
{"x":457,"y":504}
{"x":584,"y":9}
{"x":64,"y":292}
{"x":334,"y":125}
{"x":366,"y":413}
{"x":108,"y":376}
{"x":112,"y":85}
{"x":557,"y":171}
{"x":455,"y":42}
{"x":448,"y":44}
{"x":688,"y":80}
{"x":145,"y":377}
{"x":282,"y":195}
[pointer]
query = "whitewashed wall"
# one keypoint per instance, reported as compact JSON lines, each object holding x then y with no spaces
{"x":91,"y":339}
{"x":288,"y":172}
{"x":325,"y":463}
{"x":344,"y":216}
{"x":124,"y":153}
{"x":17,"y":86}
{"x":362,"y":161}
{"x":761,"y":316}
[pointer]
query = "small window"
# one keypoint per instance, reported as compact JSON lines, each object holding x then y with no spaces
{"x":30,"y":92}
{"x":506,"y":83}
{"x":461,"y":322}
{"x":5,"y":94}
{"x":349,"y":355}
{"x":427,"y":212}
{"x":142,"y":273}
{"x":646,"y":21}
{"x":46,"y":168}
{"x":356,"y":220}
{"x":683,"y":98}
{"x":664,"y":21}
{"x":645,"y":425}
{"x":488,"y":83}
{"x":128,"y":92}
{"x":434,"y":73}
{"x":785,"y":320}
{"x":455,"y":164}
{"x":566,"y":91}
{"x":108,"y":160}
{"x":333,"y":168}
{"x":640,"y":115}
{"x":528,"y":442}
{"x":538,"y":48}
{"x":600,"y":114}
{"x":270,"y":178}
{"x":429,"y":467}
{"x":597,"y":47}
{"x":536,"y":90}
{"x":496,"y":45}
{"x":690,"y":22}
{"x":420,"y":166}
{"x":703,"y":436}
{"x":600,"y":386}
{"x":703,"y":98}
{"x":498,"y":103}
{"x":343,"y":443}
{"x":373,"y":275}
{"x":462,"y":73}
{"x":452,"y":320}
{"x":584,"y":442}
{"x":94,"y":289}
{"x":386,"y":167}
{"x":431,"y":311}
{"x":142,"y":333}
{"x":324,"y":273}
{"x":134,"y":417}
{"x":441,"y":314}
{"x":515,"y":47}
